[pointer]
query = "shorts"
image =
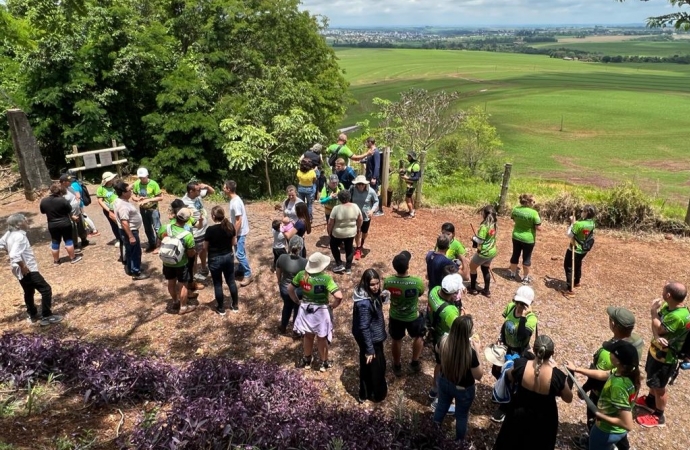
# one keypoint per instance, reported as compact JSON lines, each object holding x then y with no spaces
{"x":365,"y":226}
{"x":658,"y":373}
{"x":479,"y":260}
{"x":179,"y":273}
{"x":59,"y":234}
{"x":199,"y":245}
{"x":409,"y":192}
{"x":415,"y":328}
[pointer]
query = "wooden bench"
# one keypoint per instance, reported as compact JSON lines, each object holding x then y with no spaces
{"x":95,"y":159}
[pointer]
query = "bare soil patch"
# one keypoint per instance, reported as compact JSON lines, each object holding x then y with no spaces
{"x":103,"y":305}
{"x":615,"y":38}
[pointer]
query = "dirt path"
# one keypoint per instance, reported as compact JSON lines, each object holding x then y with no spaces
{"x":101,"y":304}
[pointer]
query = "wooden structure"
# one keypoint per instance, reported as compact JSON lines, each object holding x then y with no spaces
{"x":504,"y":189}
{"x":32,"y":166}
{"x":95,"y":159}
{"x":385,"y":176}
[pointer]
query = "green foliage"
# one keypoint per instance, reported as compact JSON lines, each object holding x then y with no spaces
{"x":679,"y":20}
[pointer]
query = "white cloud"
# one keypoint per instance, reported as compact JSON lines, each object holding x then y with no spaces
{"x":483,"y":12}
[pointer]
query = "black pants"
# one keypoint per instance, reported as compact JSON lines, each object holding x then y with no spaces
{"x":79,"y":230}
{"x":372,"y":376}
{"x":568,"y":266}
{"x":349,"y":250}
{"x":32,"y":282}
{"x":276,"y":254}
{"x":116,"y":233}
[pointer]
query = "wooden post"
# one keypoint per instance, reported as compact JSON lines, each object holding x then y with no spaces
{"x":116,"y":156}
{"x":687,"y":214}
{"x":504,"y":188}
{"x":418,"y":191}
{"x":385,"y":176}
{"x":78,"y":161}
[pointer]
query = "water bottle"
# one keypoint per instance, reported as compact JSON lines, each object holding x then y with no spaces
{"x":685,"y":365}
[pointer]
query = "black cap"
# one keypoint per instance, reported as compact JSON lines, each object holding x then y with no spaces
{"x":624,"y":351}
{"x":65,"y":177}
{"x":401,"y":261}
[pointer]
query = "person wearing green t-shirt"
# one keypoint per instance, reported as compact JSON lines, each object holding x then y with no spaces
{"x":342,"y":150}
{"x":527,"y":223}
{"x":178,"y":275}
{"x":106,"y":200}
{"x":621,"y":323}
{"x":147,"y":193}
{"x":445,"y":305}
{"x":579,"y":232}
{"x":404,"y":311}
{"x":314,"y":317}
{"x":614,"y":418}
{"x":485,"y":243}
{"x":670,"y":328}
{"x":411,"y":175}
{"x":456,"y":251}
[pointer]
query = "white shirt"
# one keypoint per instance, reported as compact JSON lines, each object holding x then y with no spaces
{"x":237,"y":209}
{"x":289,"y":209}
{"x":19,"y":249}
{"x":196,"y":206}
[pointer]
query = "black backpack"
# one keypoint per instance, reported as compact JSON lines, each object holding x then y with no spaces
{"x":85,"y":196}
{"x":334,"y":156}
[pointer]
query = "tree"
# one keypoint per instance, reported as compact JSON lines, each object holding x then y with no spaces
{"x":417,"y":122}
{"x":680,"y":20}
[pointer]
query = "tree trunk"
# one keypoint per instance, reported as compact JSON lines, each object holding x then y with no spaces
{"x":418,"y":193}
{"x":32,"y":166}
{"x":504,"y":188}
{"x":268,"y":178}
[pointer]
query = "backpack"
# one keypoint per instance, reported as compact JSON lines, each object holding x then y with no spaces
{"x":334,"y":156}
{"x":85,"y":196}
{"x":172,"y":249}
{"x":588,"y":243}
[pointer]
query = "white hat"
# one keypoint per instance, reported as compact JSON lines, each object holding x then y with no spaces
{"x":107,"y":176}
{"x":524,"y":294}
{"x":496,"y":354}
{"x":361,"y":179}
{"x":142,"y":172}
{"x":317,"y":263}
{"x":452,"y":283}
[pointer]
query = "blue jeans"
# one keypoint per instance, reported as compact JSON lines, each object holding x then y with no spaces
{"x":152,"y":223}
{"x":601,"y":440}
{"x":306,"y":193}
{"x":132,"y":254}
{"x":242,"y":257}
{"x":223,"y":266}
{"x":289,"y":307}
{"x":463,"y":400}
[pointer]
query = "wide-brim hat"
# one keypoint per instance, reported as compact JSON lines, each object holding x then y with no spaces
{"x":317,"y":263}
{"x":496,"y":354}
{"x":360,"y":179}
{"x":107,"y":176}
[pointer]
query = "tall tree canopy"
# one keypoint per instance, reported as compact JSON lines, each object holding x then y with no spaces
{"x":680,"y":19}
{"x":161,"y":76}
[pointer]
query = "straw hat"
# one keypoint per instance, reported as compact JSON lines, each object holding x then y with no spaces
{"x":361,"y":179}
{"x":107,"y":176}
{"x":317,"y":263}
{"x":496,"y":354}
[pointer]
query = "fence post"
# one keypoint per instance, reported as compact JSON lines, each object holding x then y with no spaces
{"x":687,"y":215}
{"x":116,"y":154}
{"x":504,"y":187}
{"x":418,"y":193}
{"x":78,"y":161}
{"x":385,"y":176}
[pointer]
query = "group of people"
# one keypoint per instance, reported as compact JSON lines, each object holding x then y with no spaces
{"x":194,"y":244}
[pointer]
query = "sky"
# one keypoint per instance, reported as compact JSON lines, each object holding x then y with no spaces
{"x":470,"y":13}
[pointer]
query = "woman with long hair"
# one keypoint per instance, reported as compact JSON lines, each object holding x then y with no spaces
{"x":527,"y":223}
{"x":58,"y":211}
{"x":219,"y":243}
{"x":301,"y":227}
{"x":459,"y":369}
{"x":538,"y":383}
{"x":614,"y":419}
{"x":369,"y":330}
{"x":288,"y":206}
{"x":287,"y":266}
{"x":306,"y":179}
{"x":485,"y":243}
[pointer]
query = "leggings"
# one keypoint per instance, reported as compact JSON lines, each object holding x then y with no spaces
{"x":525,"y":249}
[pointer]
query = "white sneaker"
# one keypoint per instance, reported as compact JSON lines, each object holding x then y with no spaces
{"x":200,"y":277}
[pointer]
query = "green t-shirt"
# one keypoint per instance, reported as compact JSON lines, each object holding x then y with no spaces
{"x":187,"y":240}
{"x":511,"y":327}
{"x":677,"y":325}
{"x":107,"y":193}
{"x":603,"y":357}
{"x":581,"y":230}
{"x":412,"y":168}
{"x":526,"y":220}
{"x":148,"y":190}
{"x":455,"y":250}
{"x":617,"y":395}
{"x":315,"y":288}
{"x":344,"y":152}
{"x":405,"y":292}
{"x":488,"y":248}
{"x":326,"y":192}
{"x":447,"y":316}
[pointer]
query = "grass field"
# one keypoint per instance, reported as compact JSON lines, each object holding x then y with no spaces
{"x":624,"y":48}
{"x":622,"y":122}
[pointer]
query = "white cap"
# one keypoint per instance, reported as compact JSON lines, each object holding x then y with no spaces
{"x":524,"y":294}
{"x":142,"y":172}
{"x":452,"y":283}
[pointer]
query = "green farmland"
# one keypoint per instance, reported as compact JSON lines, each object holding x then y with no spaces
{"x":620,"y":122}
{"x":626,"y":48}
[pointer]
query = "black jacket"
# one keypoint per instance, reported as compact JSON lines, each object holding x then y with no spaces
{"x":368,"y":326}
